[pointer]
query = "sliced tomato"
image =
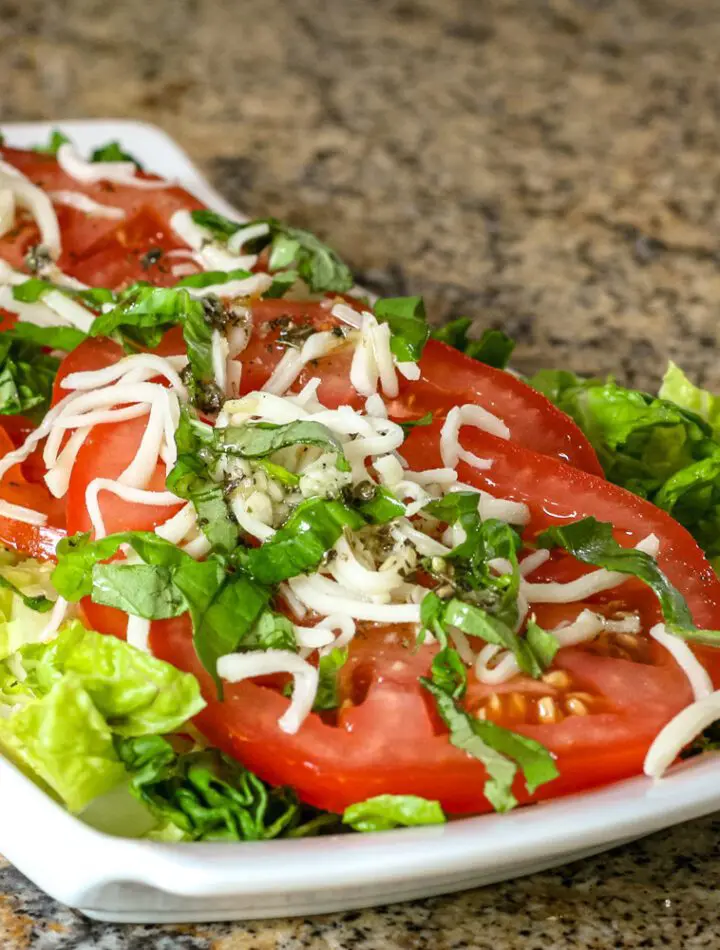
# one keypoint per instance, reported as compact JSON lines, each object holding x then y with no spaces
{"x":147,"y":216}
{"x":24,"y":487}
{"x":106,"y":453}
{"x":134,"y":251}
{"x":449,"y":378}
{"x":598,"y":716}
{"x":93,"y":353}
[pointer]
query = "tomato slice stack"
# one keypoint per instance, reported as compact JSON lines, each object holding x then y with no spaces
{"x":597,"y":711}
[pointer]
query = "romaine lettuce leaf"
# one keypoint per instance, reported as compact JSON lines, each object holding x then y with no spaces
{"x":64,"y":740}
{"x":677,"y":388}
{"x":392,"y":811}
{"x":665,"y":449}
{"x":20,"y":619}
{"x":135,"y":692}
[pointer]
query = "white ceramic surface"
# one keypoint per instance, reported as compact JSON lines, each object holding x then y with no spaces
{"x":119,"y":879}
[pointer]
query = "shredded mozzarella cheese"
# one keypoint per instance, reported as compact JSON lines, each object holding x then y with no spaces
{"x":587,"y":585}
{"x":686,"y":726}
{"x":696,"y":673}
{"x":468,"y":415}
{"x":138,"y":633}
{"x":124,"y":173}
{"x":327,"y":597}
{"x":33,"y":199}
{"x":240,"y":666}
{"x":86,"y":204}
{"x":137,"y":496}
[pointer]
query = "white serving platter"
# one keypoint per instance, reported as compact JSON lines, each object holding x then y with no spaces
{"x":119,"y":879}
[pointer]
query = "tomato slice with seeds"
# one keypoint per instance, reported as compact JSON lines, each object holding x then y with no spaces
{"x":598,"y":714}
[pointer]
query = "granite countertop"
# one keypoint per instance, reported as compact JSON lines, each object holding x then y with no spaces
{"x":551,"y":168}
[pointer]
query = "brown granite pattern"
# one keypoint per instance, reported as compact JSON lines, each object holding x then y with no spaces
{"x":549,"y":167}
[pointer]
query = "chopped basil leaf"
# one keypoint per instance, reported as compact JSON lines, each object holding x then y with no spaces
{"x":113,"y":152}
{"x":543,"y":644}
{"x":381,"y":507}
{"x":449,"y":673}
{"x":410,"y":424}
{"x":31,"y":290}
{"x":257,"y":440}
{"x":303,"y":541}
{"x":223,"y":607}
{"x":282,"y":281}
{"x":500,"y":750}
{"x":408,"y":326}
{"x":191,"y":478}
{"x":27,"y":375}
{"x":393,"y":811}
{"x":143,"y":314}
{"x":143,"y":590}
{"x":329,"y":665}
{"x":57,"y":138}
{"x":494,"y":348}
{"x":221,"y":227}
{"x":476,"y":622}
{"x":470,"y":573}
{"x":294,"y":248}
{"x":279,"y":473}
{"x":592,"y":542}
{"x":54,"y":338}
{"x":210,"y":277}
{"x":271,"y":632}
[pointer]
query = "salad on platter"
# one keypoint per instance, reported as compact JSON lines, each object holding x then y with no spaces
{"x":277,"y":559}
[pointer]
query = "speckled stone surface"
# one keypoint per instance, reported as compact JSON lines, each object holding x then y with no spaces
{"x":550,"y":167}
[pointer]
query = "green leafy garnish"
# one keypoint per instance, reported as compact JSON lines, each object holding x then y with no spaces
{"x":329,"y":665}
{"x":143,"y":314}
{"x":212,"y":277}
{"x":191,"y":478}
{"x":113,"y":152}
{"x":408,"y":326}
{"x":592,"y":542}
{"x":471,"y":575}
{"x":500,"y":750}
{"x":290,"y":248}
{"x":54,"y":338}
{"x":302,"y":542}
{"x":57,"y":138}
{"x":223,"y":605}
{"x":494,"y":348}
{"x":393,"y":811}
{"x":205,"y":796}
{"x":260,"y":439}
{"x":27,"y":375}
